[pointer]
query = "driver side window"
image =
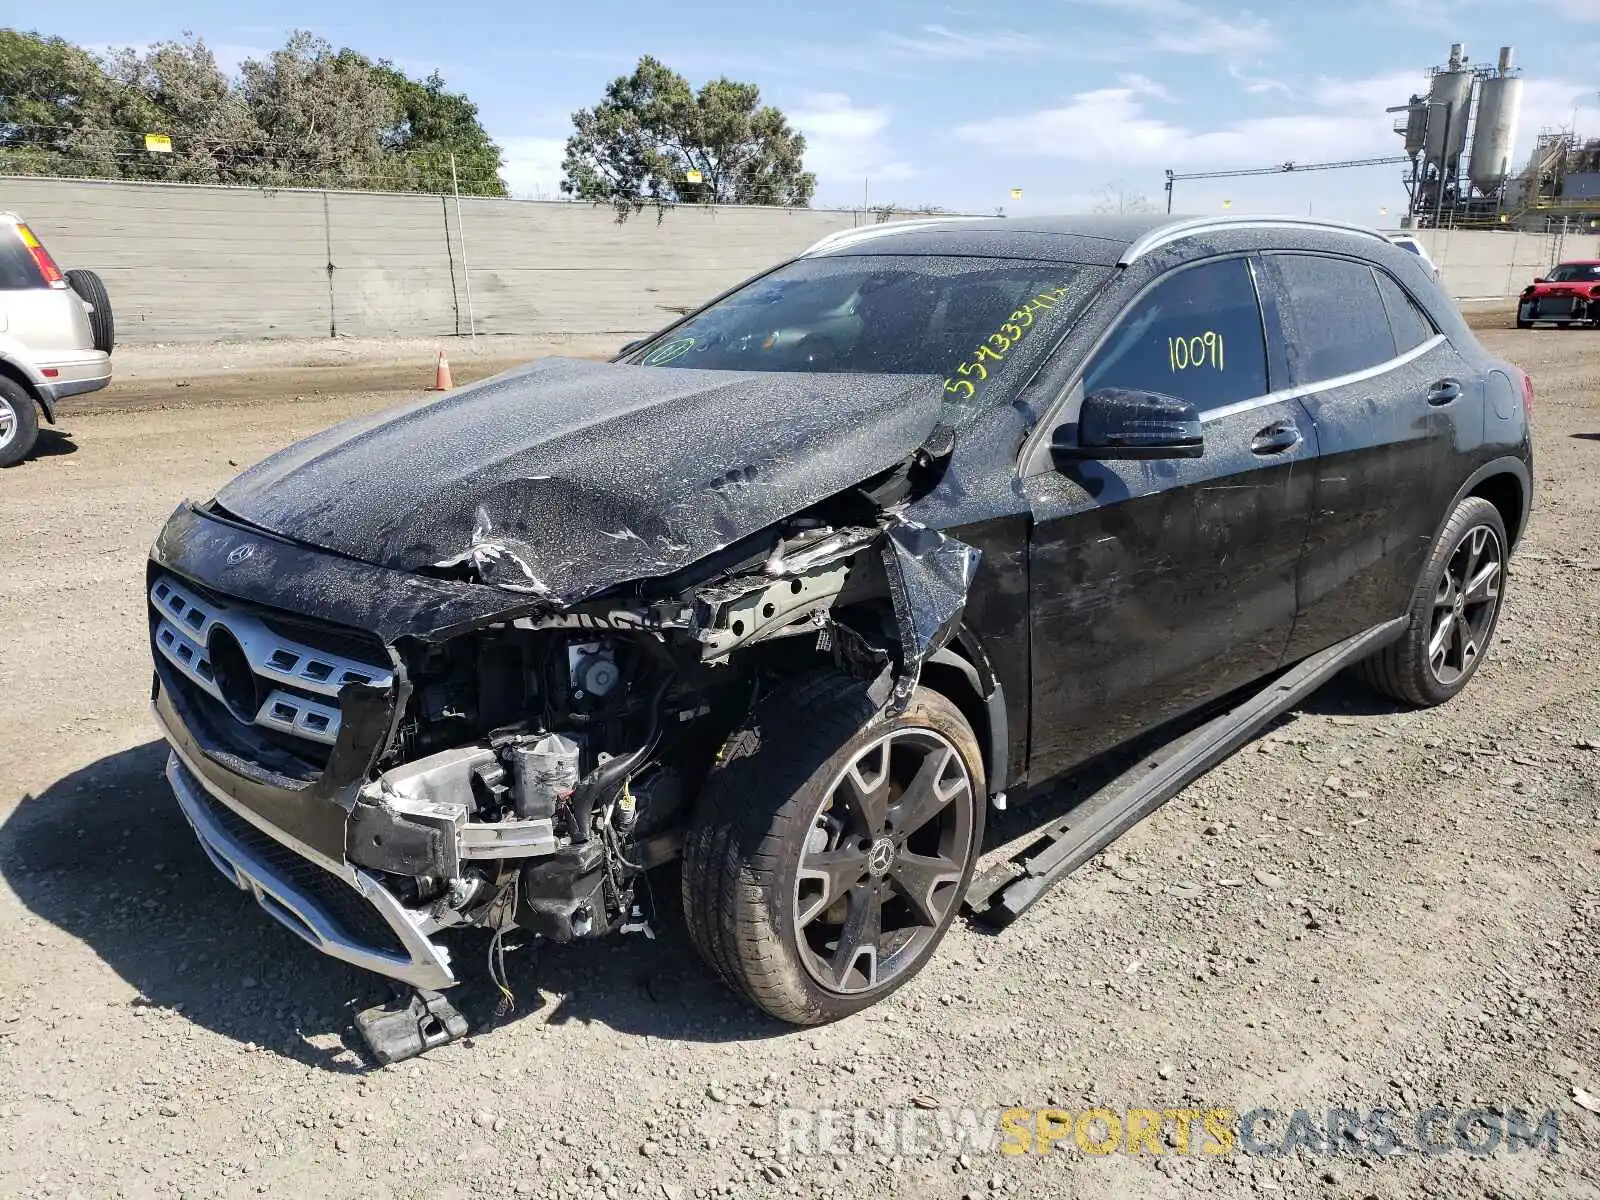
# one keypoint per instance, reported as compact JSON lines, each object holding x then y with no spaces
{"x":1196,"y":335}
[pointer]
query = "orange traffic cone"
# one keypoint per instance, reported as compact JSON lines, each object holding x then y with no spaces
{"x":441,"y":375}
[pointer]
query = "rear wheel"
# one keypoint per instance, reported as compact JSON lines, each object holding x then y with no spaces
{"x":832,"y":847}
{"x":1454,"y":611}
{"x":88,"y":286}
{"x":19,"y":422}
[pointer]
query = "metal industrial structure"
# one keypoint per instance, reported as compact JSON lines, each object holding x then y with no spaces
{"x":1460,"y":136}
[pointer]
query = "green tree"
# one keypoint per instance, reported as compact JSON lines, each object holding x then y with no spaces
{"x":177,"y":89}
{"x":305,"y":115}
{"x":47,"y":90}
{"x":640,"y":144}
{"x":319,"y":116}
{"x":430,"y":125}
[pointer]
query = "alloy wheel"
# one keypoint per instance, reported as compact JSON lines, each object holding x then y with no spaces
{"x":8,"y":423}
{"x":883,"y":862}
{"x":1465,"y":604}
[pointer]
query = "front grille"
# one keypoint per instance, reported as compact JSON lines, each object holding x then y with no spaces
{"x":1556,"y":306}
{"x":347,"y":908}
{"x":268,"y":670}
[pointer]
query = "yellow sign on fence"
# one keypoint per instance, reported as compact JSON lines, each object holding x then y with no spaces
{"x":1016,"y":193}
{"x":158,"y":143}
{"x":692,"y":176}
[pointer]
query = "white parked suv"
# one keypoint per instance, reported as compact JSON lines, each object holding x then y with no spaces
{"x":56,"y":335}
{"x":1408,"y":242}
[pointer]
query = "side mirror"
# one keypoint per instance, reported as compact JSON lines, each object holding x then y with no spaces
{"x":1538,"y":279}
{"x":1122,"y":423}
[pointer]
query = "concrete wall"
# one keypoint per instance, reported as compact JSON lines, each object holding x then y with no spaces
{"x":1479,"y":264}
{"x":203,"y":263}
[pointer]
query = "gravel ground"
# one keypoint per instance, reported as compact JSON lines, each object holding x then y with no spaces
{"x":1366,"y":908}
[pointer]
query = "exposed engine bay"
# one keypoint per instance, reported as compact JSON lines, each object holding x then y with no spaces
{"x":541,"y":765}
{"x":499,"y":713}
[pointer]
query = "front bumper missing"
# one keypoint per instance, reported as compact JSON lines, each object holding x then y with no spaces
{"x":340,"y":910}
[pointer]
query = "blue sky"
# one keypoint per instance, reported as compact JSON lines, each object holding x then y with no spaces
{"x":957,"y":103}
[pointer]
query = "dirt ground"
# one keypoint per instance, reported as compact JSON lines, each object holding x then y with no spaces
{"x":1367,"y":908}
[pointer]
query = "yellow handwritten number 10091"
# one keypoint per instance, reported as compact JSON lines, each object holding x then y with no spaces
{"x":1202,"y":350}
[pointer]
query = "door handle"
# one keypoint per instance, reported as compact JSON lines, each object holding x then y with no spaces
{"x":1444,"y":391}
{"x":1275,"y":439}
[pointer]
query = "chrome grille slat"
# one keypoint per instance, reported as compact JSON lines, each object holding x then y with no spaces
{"x":185,"y":622}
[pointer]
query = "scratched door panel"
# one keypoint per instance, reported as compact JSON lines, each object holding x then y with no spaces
{"x":1159,"y":585}
{"x":1377,"y":503}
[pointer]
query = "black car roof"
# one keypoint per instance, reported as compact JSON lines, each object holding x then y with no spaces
{"x":1097,"y":240}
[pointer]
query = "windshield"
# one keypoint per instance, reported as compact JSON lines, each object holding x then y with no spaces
{"x":980,"y":324}
{"x":1576,"y":273}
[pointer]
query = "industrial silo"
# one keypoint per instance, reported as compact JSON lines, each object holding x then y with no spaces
{"x":1414,"y":126}
{"x":1449,"y":101}
{"x":1495,"y":133}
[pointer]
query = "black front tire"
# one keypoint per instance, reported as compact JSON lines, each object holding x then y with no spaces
{"x":1406,"y":669}
{"x":88,"y":286}
{"x":754,"y":825}
{"x":19,"y":422}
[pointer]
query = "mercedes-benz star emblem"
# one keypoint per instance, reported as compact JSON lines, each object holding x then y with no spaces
{"x":880,"y":857}
{"x":239,"y":553}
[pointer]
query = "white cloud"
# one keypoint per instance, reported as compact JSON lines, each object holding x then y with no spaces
{"x":845,"y":145}
{"x":940,"y":42}
{"x":1143,"y":85}
{"x":1186,"y":27}
{"x":531,"y":166}
{"x":1342,"y":119}
{"x":1258,"y":85}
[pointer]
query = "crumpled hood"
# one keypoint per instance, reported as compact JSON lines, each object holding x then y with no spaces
{"x":565,"y":477}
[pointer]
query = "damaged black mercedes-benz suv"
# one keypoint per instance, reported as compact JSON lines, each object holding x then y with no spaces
{"x":799,"y":588}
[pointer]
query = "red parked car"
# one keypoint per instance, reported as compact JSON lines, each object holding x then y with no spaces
{"x":1569,"y":295}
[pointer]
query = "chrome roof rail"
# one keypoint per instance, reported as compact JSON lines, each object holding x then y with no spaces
{"x":1195,"y":226}
{"x":863,"y":233}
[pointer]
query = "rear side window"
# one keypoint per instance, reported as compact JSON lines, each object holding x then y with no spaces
{"x":1410,"y":325}
{"x":1334,"y":322}
{"x":1196,"y":335}
{"x":16,"y":264}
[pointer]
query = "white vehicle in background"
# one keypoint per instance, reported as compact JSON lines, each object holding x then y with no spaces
{"x":1409,"y":242}
{"x":56,"y":334}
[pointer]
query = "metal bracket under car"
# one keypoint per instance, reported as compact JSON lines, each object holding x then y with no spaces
{"x":394,"y":1032}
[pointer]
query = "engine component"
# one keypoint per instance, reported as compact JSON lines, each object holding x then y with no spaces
{"x":658,"y":802}
{"x":592,"y":667}
{"x":562,"y":897}
{"x":544,"y":772}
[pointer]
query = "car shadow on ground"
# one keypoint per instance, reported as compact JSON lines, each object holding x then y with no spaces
{"x":105,"y":855}
{"x":52,"y":443}
{"x":1340,"y":697}
{"x":1587,"y":437}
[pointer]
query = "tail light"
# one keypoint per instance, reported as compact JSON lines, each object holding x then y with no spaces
{"x":48,"y":271}
{"x":1527,"y":395}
